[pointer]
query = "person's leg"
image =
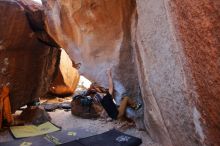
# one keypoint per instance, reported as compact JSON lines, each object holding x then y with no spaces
{"x":126,"y":101}
{"x":122,"y":107}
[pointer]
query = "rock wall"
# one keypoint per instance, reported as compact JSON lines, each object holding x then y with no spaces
{"x":96,"y":34}
{"x":26,"y":63}
{"x":177,"y":52}
{"x":197,"y":25}
{"x":162,"y":77}
{"x":66,"y":77}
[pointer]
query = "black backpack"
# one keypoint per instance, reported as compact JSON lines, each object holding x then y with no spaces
{"x":84,"y":100}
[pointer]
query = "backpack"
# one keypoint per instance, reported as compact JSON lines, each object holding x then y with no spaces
{"x":84,"y":100}
{"x":85,"y":107}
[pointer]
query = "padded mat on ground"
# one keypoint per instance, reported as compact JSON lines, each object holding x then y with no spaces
{"x":109,"y":138}
{"x":32,"y":130}
{"x":51,"y":139}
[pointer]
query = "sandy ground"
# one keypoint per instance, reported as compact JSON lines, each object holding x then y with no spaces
{"x":66,"y":120}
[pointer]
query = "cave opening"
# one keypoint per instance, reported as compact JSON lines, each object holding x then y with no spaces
{"x":38,"y":1}
{"x":84,"y":82}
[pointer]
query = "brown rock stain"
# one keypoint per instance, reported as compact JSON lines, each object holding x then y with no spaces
{"x":198,"y":27}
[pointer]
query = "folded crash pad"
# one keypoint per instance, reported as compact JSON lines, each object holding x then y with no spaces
{"x":32,"y":130}
{"x":109,"y":138}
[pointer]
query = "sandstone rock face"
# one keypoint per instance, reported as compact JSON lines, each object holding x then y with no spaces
{"x":198,"y":28}
{"x":161,"y":76}
{"x":96,"y":34}
{"x":177,"y":52}
{"x":66,"y":77}
{"x":26,"y":63}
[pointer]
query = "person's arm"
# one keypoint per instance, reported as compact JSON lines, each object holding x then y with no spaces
{"x":110,"y":82}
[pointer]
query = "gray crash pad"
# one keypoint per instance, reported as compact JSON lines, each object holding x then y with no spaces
{"x":109,"y":138}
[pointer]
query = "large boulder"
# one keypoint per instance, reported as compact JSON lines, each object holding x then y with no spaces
{"x":197,"y":26}
{"x":67,"y":77}
{"x":177,"y":53}
{"x":27,"y":56}
{"x":96,"y":34}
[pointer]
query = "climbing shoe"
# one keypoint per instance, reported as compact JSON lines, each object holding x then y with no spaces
{"x":138,"y":106}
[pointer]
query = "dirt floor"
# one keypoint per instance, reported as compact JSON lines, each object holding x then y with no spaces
{"x":98,"y":125}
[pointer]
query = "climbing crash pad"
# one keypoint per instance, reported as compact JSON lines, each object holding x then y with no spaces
{"x":32,"y":130}
{"x":109,"y":138}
